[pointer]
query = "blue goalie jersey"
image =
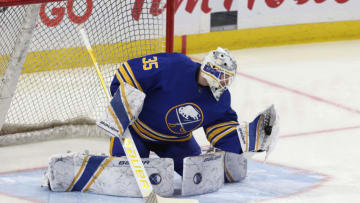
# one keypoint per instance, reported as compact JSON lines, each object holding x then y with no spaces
{"x":175,"y":104}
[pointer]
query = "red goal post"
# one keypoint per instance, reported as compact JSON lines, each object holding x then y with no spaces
{"x":42,"y":55}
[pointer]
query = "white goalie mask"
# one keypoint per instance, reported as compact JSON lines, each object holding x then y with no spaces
{"x":218,"y":68}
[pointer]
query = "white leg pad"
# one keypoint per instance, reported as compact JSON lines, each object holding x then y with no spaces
{"x":203,"y":174}
{"x":107,"y":175}
{"x":235,"y":167}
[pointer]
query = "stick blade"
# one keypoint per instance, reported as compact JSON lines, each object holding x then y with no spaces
{"x":154,"y":198}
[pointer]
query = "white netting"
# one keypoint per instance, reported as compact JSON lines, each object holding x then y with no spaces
{"x":58,"y":85}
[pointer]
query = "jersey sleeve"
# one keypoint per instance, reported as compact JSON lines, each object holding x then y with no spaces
{"x":225,"y":134}
{"x":222,"y":134}
{"x":148,"y":72}
{"x":128,"y":74}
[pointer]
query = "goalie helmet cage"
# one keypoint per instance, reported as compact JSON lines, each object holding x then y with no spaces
{"x":48,"y":87}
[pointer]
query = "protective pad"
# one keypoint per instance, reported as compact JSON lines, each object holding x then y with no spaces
{"x":124,"y":108}
{"x":203,"y":174}
{"x":127,"y":100}
{"x":108,"y":124}
{"x":107,"y":175}
{"x":235,"y":167}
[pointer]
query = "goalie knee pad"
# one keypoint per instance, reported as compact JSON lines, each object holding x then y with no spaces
{"x":235,"y":167}
{"x":208,"y":172}
{"x":203,"y":173}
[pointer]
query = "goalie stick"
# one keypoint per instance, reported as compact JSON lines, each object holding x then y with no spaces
{"x":128,"y":144}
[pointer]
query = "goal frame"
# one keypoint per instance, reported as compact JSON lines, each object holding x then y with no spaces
{"x":170,"y":16}
{"x":13,"y":69}
{"x":5,"y":3}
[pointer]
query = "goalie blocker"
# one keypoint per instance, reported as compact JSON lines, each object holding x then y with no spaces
{"x":124,"y":108}
{"x":113,"y":176}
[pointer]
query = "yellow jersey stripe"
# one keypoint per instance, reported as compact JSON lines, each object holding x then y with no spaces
{"x":222,"y":135}
{"x":140,"y":133}
{"x":146,"y":133}
{"x":142,"y":130}
{"x":100,"y":170}
{"x":144,"y":126}
{"x":126,"y":76}
{"x":128,"y":68}
{"x":219,"y":125}
{"x":78,"y":173}
{"x":157,"y":134}
{"x":118,"y":77}
{"x":217,"y":131}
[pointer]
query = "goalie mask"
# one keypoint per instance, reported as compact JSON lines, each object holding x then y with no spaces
{"x":219,"y":69}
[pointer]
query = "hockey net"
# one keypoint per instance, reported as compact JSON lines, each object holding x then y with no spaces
{"x":58,"y":93}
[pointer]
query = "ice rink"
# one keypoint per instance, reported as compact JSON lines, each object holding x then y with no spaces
{"x":315,"y":88}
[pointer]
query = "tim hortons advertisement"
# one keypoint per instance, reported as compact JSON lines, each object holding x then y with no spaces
{"x":238,"y":14}
{"x":250,"y":13}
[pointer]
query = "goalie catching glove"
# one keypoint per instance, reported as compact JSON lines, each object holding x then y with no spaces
{"x":264,"y":133}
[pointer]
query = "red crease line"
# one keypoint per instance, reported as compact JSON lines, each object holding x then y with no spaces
{"x":320,"y":131}
{"x":301,"y":93}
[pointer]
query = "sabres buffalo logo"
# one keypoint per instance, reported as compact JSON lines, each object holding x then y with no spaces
{"x":184,"y":118}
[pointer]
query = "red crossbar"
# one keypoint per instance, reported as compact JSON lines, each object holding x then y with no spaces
{"x":5,"y":3}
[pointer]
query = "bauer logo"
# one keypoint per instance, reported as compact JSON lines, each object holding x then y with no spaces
{"x":104,"y":124}
{"x":241,"y":133}
{"x":212,"y":158}
{"x":184,"y":118}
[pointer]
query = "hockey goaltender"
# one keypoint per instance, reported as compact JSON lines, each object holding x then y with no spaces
{"x":158,"y":100}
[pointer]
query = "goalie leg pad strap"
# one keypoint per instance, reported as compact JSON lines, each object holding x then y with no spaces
{"x":107,"y":175}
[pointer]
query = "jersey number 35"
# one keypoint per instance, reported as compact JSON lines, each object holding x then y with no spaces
{"x":148,"y":64}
